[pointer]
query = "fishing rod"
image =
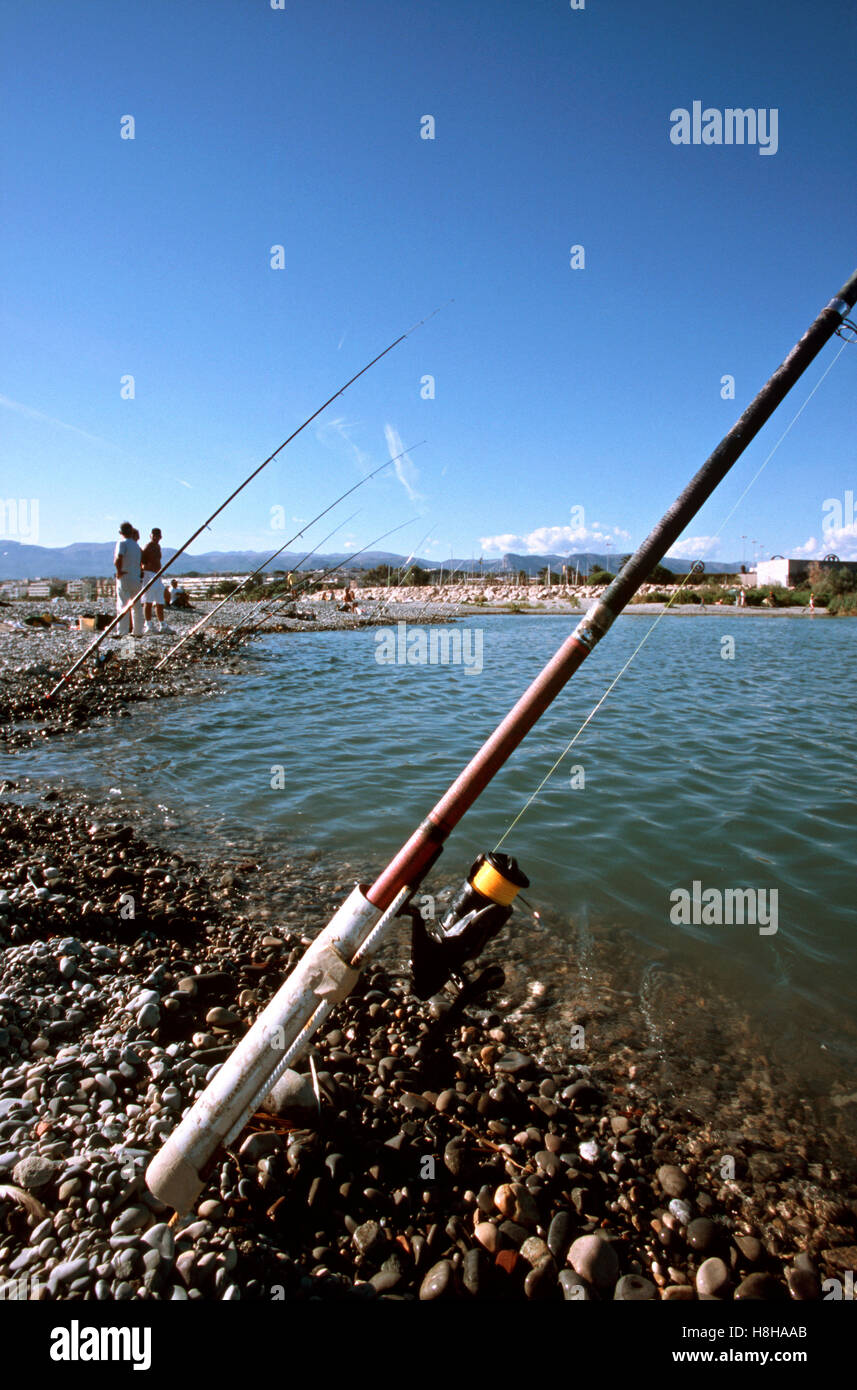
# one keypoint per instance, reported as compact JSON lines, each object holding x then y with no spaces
{"x":268,"y":602}
{"x":287,"y":598}
{"x":331,"y":966}
{"x":244,"y":582}
{"x":302,"y":561}
{"x":64,"y":679}
{"x":403,"y":569}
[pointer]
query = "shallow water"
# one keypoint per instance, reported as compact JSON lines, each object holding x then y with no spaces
{"x":732,"y":772}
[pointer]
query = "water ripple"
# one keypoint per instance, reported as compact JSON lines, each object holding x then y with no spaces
{"x":733,"y":773}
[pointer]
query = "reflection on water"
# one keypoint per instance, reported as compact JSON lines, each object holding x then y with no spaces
{"x":730,"y":773}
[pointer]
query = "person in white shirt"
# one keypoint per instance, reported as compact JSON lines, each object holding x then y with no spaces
{"x":127,"y":561}
{"x":177,"y":596}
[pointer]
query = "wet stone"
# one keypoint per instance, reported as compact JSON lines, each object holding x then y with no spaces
{"x":292,"y":1092}
{"x":65,"y":1272}
{"x":148,"y":1018}
{"x":257,"y":1146}
{"x":750,"y":1248}
{"x":712,"y":1279}
{"x":488,"y":1236}
{"x":438,"y":1282}
{"x":456,"y":1157}
{"x":803,"y":1284}
{"x":672,"y":1180}
{"x":701,"y":1234}
{"x":224,"y":1018}
{"x":472,"y":1271}
{"x":559,"y":1235}
{"x":540,"y":1283}
{"x":160,"y":1238}
{"x":574,"y":1289}
{"x":132,"y":1219}
{"x":634,"y":1288}
{"x":548,"y":1163}
{"x":759,"y":1285}
{"x":534,"y":1249}
{"x":595,"y":1260}
{"x":582,"y":1095}
{"x":368,"y":1238}
{"x":514,"y":1201}
{"x":513,"y":1063}
{"x":513,"y":1233}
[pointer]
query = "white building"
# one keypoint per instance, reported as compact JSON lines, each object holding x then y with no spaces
{"x":790,"y":573}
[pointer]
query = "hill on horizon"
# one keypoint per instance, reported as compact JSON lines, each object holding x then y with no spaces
{"x":94,"y":559}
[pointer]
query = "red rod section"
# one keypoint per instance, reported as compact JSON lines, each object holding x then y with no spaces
{"x":415,"y":857}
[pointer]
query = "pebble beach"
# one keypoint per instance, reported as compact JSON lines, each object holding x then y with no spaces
{"x":433,"y":1154}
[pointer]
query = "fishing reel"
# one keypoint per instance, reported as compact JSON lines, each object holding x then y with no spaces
{"x":440,"y":949}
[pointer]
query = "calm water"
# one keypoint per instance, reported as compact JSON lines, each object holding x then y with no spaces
{"x":737,"y":773}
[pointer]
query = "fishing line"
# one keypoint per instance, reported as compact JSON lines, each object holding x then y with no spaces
{"x":527,"y":804}
{"x":286,"y":598}
{"x":64,"y":679}
{"x":244,"y":582}
{"x":403,"y":569}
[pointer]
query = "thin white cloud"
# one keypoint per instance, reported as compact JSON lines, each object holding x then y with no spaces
{"x":559,"y":540}
{"x":32,"y":414}
{"x":339,"y":431}
{"x":405,"y":470}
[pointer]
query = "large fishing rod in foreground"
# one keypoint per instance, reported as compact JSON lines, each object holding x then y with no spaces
{"x":331,"y":966}
{"x":64,"y":679}
{"x":270,"y":559}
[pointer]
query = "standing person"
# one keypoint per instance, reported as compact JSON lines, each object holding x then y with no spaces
{"x":127,"y":561}
{"x":155,"y":595}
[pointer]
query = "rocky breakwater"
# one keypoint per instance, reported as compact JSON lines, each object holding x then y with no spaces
{"x":453,"y":597}
{"x":432,"y":1156}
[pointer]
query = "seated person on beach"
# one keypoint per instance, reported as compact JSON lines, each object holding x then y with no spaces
{"x":177,"y":596}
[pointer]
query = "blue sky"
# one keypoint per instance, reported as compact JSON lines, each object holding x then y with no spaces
{"x":596,"y":388}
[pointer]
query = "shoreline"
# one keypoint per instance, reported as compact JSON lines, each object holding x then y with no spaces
{"x":535,"y":1143}
{"x":533,"y":1146}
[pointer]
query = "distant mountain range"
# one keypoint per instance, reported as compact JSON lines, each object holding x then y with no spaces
{"x":95,"y":559}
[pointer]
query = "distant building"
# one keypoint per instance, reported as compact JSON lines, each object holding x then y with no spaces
{"x":790,"y":573}
{"x":40,"y":589}
{"x":86,"y":589}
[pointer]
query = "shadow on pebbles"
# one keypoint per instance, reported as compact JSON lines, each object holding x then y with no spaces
{"x":499,"y":1155}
